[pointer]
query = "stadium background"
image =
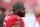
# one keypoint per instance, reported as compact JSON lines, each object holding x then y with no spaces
{"x":9,"y":3}
{"x":29,"y":5}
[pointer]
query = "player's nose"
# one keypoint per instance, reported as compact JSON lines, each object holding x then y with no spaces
{"x":23,"y":11}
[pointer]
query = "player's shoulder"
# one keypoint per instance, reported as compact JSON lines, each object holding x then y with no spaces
{"x":12,"y":16}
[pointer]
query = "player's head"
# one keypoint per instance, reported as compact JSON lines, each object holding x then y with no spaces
{"x":36,"y":8}
{"x":19,"y":8}
{"x":37,"y":11}
{"x":2,"y":11}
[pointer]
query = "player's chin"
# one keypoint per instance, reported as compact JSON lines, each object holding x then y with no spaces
{"x":22,"y":15}
{"x":37,"y":15}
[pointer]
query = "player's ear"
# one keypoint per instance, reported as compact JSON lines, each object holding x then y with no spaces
{"x":16,"y":10}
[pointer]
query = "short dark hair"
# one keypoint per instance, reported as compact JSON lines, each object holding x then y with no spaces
{"x":3,"y":9}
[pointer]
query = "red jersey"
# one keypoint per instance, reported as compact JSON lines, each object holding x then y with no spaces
{"x":37,"y":22}
{"x":13,"y":21}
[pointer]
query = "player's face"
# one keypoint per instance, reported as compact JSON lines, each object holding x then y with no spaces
{"x":37,"y":12}
{"x":21,"y":12}
{"x":1,"y":12}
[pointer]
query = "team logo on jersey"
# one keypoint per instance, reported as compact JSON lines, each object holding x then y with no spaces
{"x":18,"y":21}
